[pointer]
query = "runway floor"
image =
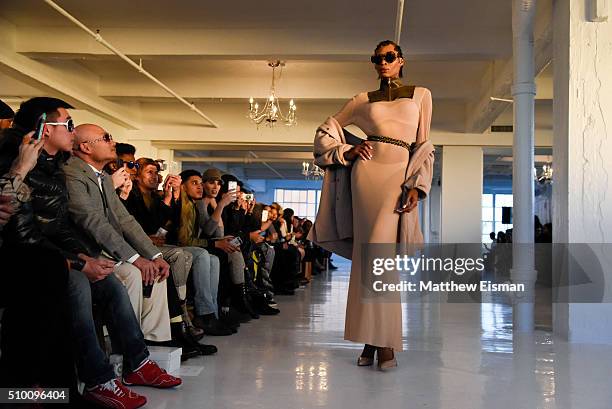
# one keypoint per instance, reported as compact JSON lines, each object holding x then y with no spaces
{"x":456,"y":356}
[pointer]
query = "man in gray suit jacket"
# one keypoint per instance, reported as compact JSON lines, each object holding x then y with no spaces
{"x":113,"y":233}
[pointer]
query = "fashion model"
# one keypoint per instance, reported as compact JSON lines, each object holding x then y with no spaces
{"x":371,"y":190}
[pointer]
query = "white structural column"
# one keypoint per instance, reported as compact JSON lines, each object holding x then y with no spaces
{"x":582,"y":151}
{"x":462,"y":169}
{"x":523,"y":92}
{"x":424,"y":211}
{"x":435,"y":211}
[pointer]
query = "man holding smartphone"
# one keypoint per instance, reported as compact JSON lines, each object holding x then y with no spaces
{"x":205,"y":251}
{"x":44,"y":221}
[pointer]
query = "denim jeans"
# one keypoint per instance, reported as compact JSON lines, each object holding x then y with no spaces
{"x":205,"y":270}
{"x":110,"y":296}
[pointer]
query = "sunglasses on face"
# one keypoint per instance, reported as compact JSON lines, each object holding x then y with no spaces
{"x":130,"y":165}
{"x":106,"y":138}
{"x":69,"y":124}
{"x":389,"y":57}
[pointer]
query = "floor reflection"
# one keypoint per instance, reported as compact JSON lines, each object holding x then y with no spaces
{"x":456,"y":356}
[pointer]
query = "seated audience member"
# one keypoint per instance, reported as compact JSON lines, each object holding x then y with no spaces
{"x":263,"y":251}
{"x":157,"y":214}
{"x":126,"y":152}
{"x":112,"y":233}
{"x":180,"y":263}
{"x":44,"y":221}
{"x":286,"y":267}
{"x":232,"y":220}
{"x":26,"y":359}
{"x":206,"y":265}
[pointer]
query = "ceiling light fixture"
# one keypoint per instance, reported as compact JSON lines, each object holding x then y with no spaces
{"x":271,"y":111}
{"x":315,"y":173}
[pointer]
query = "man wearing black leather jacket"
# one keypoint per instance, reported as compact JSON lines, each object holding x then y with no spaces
{"x":44,"y":221}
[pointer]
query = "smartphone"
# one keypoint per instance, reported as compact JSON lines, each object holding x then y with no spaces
{"x":264,"y":215}
{"x":236,"y":241}
{"x":248,"y":197}
{"x":147,"y":290}
{"x":39,"y":129}
{"x":232,"y":185}
{"x":174,"y":168}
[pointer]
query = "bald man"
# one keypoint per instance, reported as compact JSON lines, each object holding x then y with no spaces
{"x":113,"y":233}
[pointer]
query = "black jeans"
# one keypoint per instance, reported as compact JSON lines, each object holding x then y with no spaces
{"x":36,"y":346}
{"x":111,"y":296}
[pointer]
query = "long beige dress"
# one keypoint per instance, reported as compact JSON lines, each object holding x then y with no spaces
{"x":376,"y":188}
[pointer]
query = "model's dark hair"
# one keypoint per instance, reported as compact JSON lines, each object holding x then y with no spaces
{"x":397,"y":48}
{"x":30,"y":110}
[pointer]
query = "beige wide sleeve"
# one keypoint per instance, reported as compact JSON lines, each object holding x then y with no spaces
{"x":329,"y":145}
{"x":425,"y":111}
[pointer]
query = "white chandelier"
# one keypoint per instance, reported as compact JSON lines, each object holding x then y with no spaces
{"x":271,"y":112}
{"x":315,"y":173}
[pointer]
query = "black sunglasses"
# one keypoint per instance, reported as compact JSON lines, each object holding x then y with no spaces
{"x":130,"y":165}
{"x":389,"y":57}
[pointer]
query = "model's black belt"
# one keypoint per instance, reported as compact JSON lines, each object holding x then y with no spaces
{"x":386,"y":139}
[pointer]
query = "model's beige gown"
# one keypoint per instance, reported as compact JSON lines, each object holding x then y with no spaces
{"x":376,"y":187}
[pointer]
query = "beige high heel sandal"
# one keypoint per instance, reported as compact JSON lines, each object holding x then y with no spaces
{"x":389,"y":363}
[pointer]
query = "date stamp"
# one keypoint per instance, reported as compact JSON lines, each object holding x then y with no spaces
{"x":34,"y":395}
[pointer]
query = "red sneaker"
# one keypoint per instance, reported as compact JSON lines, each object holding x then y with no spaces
{"x":149,"y":374}
{"x":113,"y":394}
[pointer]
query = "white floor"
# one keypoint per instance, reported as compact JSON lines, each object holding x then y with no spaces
{"x":457,"y":356}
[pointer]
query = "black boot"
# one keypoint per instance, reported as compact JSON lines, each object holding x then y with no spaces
{"x":178,"y":341}
{"x":227,"y":319}
{"x":260,"y":304}
{"x":190,"y":341}
{"x":211,"y":325}
{"x":241,"y":301}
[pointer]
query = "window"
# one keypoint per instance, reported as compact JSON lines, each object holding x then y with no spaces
{"x":492,"y":214}
{"x":304,"y":203}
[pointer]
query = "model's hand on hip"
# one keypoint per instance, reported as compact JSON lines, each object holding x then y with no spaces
{"x":363,"y":151}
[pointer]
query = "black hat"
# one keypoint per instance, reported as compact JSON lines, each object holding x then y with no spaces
{"x":6,"y":112}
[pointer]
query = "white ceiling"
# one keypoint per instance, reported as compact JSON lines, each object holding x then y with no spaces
{"x":214,"y":53}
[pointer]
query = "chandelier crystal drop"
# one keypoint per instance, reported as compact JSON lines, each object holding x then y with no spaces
{"x":271,"y":112}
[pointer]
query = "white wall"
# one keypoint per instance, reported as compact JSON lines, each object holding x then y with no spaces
{"x":582,"y":150}
{"x":462,"y":168}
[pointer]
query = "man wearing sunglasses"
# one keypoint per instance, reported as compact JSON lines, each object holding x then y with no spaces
{"x":44,"y":221}
{"x":126,"y":153}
